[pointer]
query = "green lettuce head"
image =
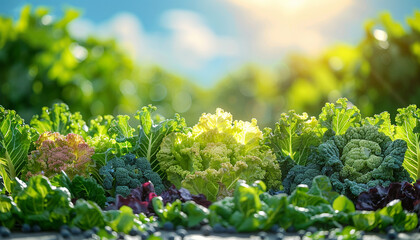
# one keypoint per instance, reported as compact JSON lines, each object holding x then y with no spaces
{"x":215,"y":154}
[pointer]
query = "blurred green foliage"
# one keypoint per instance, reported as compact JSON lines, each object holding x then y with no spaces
{"x":40,"y":64}
{"x":381,"y":73}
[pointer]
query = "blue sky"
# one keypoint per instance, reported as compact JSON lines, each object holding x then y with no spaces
{"x":206,"y":39}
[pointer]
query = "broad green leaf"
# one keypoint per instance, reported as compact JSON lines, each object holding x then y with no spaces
{"x":88,"y":189}
{"x":293,"y":136}
{"x":410,"y":221}
{"x":392,"y":209}
{"x":340,"y":116}
{"x":223,"y":208}
{"x":383,"y":123}
{"x":43,"y":204}
{"x":250,"y":223}
{"x":88,"y":215}
{"x":301,"y":197}
{"x":277,"y":205}
{"x":247,"y":199}
{"x":120,"y":129}
{"x":9,"y":212}
{"x":408,"y":129}
{"x":365,"y":220}
{"x":122,"y":220}
{"x":158,"y":206}
{"x":321,"y":186}
{"x":61,"y":180}
{"x":343,"y":204}
{"x":196,"y":213}
{"x":150,"y":134}
{"x":59,"y":119}
{"x":15,"y":140}
{"x":172,"y":212}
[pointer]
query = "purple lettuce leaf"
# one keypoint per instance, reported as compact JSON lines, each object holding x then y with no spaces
{"x":378,"y":197}
{"x":139,"y":199}
{"x":172,"y":194}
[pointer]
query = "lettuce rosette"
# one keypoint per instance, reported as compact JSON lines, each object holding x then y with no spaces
{"x":216,"y":153}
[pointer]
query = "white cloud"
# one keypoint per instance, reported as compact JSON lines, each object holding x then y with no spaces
{"x":125,"y":27}
{"x":186,"y":41}
{"x":193,"y":41}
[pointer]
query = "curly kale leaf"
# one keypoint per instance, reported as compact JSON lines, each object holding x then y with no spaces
{"x":340,"y":116}
{"x":59,"y":119}
{"x":293,"y":136}
{"x":146,"y":139}
{"x":361,"y":158}
{"x":369,"y":158}
{"x":301,"y":175}
{"x":102,"y":139}
{"x":121,"y":174}
{"x":383,"y":123}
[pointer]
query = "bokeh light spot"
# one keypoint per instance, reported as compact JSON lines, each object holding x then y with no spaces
{"x":79,"y":52}
{"x":127,"y":87}
{"x":158,"y":92}
{"x":182,"y":102}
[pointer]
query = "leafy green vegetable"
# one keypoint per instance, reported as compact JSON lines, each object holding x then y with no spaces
{"x":151,"y":134}
{"x":43,"y":204}
{"x":147,"y":138}
{"x":251,"y":209}
{"x":408,"y":129}
{"x":9,"y":212}
{"x":343,"y":204}
{"x":121,"y":174}
{"x":383,"y":123}
{"x":55,"y":153}
{"x":121,"y":129}
{"x":216,"y":154}
{"x":340,"y":116}
{"x":293,"y":136}
{"x":321,"y":186}
{"x":100,"y":134}
{"x":123,"y":220}
{"x":302,"y":198}
{"x":88,"y":215}
{"x":15,"y":140}
{"x":89,"y":189}
{"x":81,"y":188}
{"x":50,"y":207}
{"x":391,"y":215}
{"x":188,"y":214}
{"x":59,"y":119}
{"x":172,"y":212}
{"x":360,"y":159}
{"x":195,"y":212}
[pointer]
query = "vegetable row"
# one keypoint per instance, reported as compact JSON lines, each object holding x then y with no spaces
{"x":109,"y":164}
{"x":250,"y":208}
